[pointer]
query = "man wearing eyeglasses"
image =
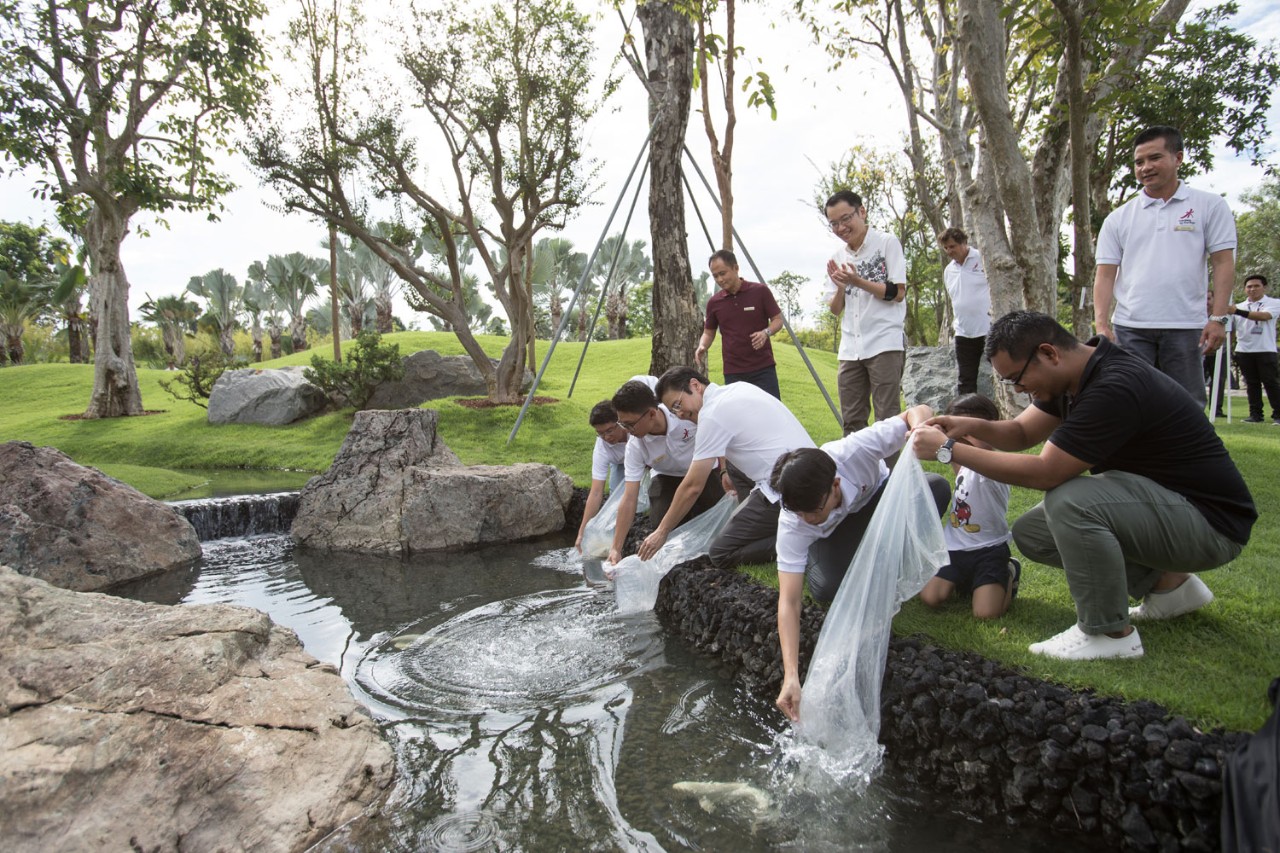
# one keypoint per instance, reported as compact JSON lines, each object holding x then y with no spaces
{"x":866,"y":286}
{"x":1164,"y":500}
{"x":748,"y":428}
{"x":663,"y":444}
{"x":607,"y":456}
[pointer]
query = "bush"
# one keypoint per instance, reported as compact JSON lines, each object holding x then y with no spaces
{"x":352,"y":381}
{"x":195,"y":379}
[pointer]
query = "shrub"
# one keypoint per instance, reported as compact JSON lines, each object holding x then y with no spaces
{"x":195,"y":379}
{"x":367,"y":364}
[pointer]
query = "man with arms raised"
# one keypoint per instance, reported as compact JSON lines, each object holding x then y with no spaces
{"x":1164,"y":500}
{"x":664,"y":444}
{"x":1152,"y":254}
{"x":750,"y":429}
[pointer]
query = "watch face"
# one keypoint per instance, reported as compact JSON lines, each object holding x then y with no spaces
{"x":944,"y":452}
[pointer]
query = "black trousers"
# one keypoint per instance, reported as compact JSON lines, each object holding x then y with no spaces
{"x":968,"y":358}
{"x":1260,"y":373}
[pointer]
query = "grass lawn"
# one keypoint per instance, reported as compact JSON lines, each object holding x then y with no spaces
{"x":1213,"y":666}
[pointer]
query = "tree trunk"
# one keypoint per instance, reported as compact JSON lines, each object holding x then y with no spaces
{"x":115,"y":379}
{"x":298,"y":332}
{"x":668,"y":43}
{"x":226,"y":340}
{"x":77,"y":353}
{"x":505,"y":383}
{"x":14,"y":348}
{"x":276,"y":349}
{"x":256,"y":332}
{"x":383,"y":309}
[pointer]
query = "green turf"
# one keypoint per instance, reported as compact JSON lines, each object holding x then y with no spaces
{"x":1213,"y":666}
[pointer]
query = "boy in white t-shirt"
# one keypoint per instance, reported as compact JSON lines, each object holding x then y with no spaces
{"x":976,"y":531}
{"x":607,"y":455}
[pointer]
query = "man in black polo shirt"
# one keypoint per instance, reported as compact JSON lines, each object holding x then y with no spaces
{"x":1163,"y":500}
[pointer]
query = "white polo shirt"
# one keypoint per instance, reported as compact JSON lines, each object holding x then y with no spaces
{"x":605,"y":454}
{"x":750,"y":427}
{"x":970,"y":294}
{"x":1257,"y":335}
{"x":668,"y":454}
{"x":869,"y":324}
{"x":1162,"y":250}
{"x":979,"y":515}
{"x":859,"y":458}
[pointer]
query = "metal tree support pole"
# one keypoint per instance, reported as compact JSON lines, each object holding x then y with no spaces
{"x":608,"y":279}
{"x":581,"y":283}
{"x":746,"y":254}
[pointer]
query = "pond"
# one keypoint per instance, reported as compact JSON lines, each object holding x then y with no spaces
{"x":526,"y":714}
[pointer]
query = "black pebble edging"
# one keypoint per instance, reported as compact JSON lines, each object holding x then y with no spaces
{"x":1000,"y":745}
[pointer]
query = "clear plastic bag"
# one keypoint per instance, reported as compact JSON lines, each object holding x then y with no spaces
{"x":635,"y":581}
{"x":902,"y":549}
{"x":597,"y":539}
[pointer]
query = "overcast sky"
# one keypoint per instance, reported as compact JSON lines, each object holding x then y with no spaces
{"x":776,"y":167}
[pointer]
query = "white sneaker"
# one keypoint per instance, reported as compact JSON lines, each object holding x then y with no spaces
{"x":1074,"y":644}
{"x":1192,"y":595}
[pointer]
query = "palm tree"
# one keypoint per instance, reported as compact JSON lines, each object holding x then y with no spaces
{"x":557,"y":268}
{"x":175,"y":315}
{"x":632,"y":268}
{"x":223,"y":293}
{"x":355,"y":291}
{"x":293,"y":280}
{"x":66,"y":291}
{"x":20,"y":302}
{"x":384,"y":284}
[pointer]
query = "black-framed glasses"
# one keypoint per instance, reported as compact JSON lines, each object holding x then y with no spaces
{"x":1016,"y":381}
{"x":678,"y":403}
{"x":630,"y":427}
{"x":837,"y":224}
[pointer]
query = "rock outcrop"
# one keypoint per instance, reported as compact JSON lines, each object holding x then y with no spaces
{"x":428,"y":375}
{"x":395,"y":487}
{"x":147,"y":727}
{"x":77,"y":528}
{"x":930,"y":377}
{"x":272,"y":396}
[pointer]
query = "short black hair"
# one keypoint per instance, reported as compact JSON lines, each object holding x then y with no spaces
{"x":678,"y":379}
{"x":602,"y":413}
{"x":954,"y":235}
{"x":1171,"y":135}
{"x":974,"y":406}
{"x":1019,"y":332}
{"x":725,"y":255}
{"x":849,"y":197}
{"x":634,"y":398}
{"x":803,"y":477}
{"x":1259,"y":276}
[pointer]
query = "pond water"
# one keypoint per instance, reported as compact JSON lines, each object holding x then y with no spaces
{"x":526,"y":714}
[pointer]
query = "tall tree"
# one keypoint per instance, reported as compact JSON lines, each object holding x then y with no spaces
{"x":224,"y":297}
{"x":1259,"y":233}
{"x":669,"y":48}
{"x":632,"y":267}
{"x":175,"y":316}
{"x":508,"y":90}
{"x":21,"y":301}
{"x":557,"y":269}
{"x":121,"y":104}
{"x":294,"y":280}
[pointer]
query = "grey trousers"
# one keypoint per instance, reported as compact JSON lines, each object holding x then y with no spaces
{"x":1115,"y":534}
{"x":751,"y":536}
{"x":875,"y":381}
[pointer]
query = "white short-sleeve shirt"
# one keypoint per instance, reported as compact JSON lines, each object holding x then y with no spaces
{"x":970,"y":294}
{"x":979,"y":514}
{"x":1257,"y":335}
{"x":859,"y":458}
{"x":1162,"y":250}
{"x":870,"y":325}
{"x":605,"y":454}
{"x":668,"y":454}
{"x":750,"y":427}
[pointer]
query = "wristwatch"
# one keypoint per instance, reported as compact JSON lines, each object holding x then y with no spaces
{"x":944,"y":452}
{"x":1220,"y":318}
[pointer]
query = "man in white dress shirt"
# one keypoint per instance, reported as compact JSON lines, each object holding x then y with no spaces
{"x":966,"y":281}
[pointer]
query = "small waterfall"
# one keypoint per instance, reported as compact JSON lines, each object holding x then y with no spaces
{"x":242,"y":515}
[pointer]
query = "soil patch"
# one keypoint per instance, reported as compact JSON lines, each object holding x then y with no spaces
{"x":486,"y":403}
{"x":81,"y":417}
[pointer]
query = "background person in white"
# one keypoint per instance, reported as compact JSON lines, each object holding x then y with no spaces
{"x":866,"y":285}
{"x":966,"y":281}
{"x":662,"y":443}
{"x":750,"y":429}
{"x":607,"y":456}
{"x":1151,"y":256}
{"x":1256,"y":348}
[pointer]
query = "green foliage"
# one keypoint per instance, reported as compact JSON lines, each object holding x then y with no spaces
{"x":786,"y":287}
{"x":195,"y":379}
{"x":1259,"y":234}
{"x":364,"y":367}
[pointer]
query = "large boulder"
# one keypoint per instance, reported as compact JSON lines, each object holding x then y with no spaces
{"x":77,"y":528}
{"x":272,"y":396}
{"x":428,"y":375}
{"x":395,"y":487}
{"x":130,"y":726}
{"x":930,"y":377}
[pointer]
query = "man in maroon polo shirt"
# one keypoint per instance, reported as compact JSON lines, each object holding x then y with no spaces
{"x":749,"y":316}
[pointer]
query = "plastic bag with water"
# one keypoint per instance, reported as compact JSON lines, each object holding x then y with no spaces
{"x":635,"y":581}
{"x":597,"y":539}
{"x":840,"y":706}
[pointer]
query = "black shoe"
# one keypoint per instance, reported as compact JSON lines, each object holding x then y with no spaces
{"x":1251,"y":420}
{"x":1015,"y":577}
